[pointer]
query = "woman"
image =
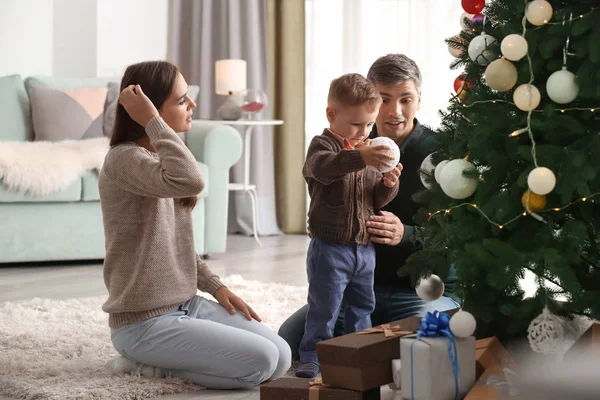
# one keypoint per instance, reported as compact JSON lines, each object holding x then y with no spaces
{"x":148,"y":188}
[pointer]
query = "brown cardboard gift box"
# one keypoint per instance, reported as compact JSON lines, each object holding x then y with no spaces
{"x":363,"y":361}
{"x":301,"y":389}
{"x":489,"y":352}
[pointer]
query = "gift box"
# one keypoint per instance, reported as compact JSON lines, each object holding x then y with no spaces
{"x":360,"y":361}
{"x":304,"y":389}
{"x":432,"y":376}
{"x":396,"y":364}
{"x":494,"y":384}
{"x":489,"y":352}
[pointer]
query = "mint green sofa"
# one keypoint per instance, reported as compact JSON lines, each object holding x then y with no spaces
{"x":68,"y":225}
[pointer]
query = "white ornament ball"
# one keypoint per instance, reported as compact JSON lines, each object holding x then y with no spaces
{"x":426,"y":165}
{"x":538,"y":12}
{"x":456,"y":53}
{"x":438,"y":170}
{"x":393,"y":151}
{"x":514,"y":47}
{"x":463,"y":324}
{"x":454,"y":183}
{"x":546,"y":333}
{"x":561,"y":86}
{"x":430,"y":288}
{"x":541,"y":180}
{"x":465,"y":20}
{"x":501,"y":75}
{"x":527,"y":97}
{"x":479,"y":50}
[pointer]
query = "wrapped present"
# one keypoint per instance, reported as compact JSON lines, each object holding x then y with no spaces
{"x":589,"y":340}
{"x":435,"y":364}
{"x":489,"y":352}
{"x":363,"y":360}
{"x":396,"y":364}
{"x":304,"y":389}
{"x":496,"y":383}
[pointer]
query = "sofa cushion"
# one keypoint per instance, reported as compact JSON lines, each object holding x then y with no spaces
{"x":67,"y":114}
{"x":15,"y":113}
{"x":90,"y":192}
{"x":70,"y":194}
{"x":60,"y":83}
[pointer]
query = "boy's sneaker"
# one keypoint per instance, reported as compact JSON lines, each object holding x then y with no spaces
{"x":124,"y":365}
{"x":307,"y":370}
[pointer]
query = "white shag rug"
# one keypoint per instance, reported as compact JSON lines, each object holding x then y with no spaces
{"x":42,"y":168}
{"x":57,"y":349}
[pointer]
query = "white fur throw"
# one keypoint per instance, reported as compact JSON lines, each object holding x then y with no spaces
{"x":42,"y":168}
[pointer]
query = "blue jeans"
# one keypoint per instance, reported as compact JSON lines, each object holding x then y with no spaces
{"x":391,"y":304}
{"x":337,"y":274}
{"x":201,"y":342}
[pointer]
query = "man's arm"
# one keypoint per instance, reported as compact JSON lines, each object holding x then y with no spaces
{"x":326,"y":165}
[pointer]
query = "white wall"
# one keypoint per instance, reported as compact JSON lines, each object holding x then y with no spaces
{"x":130,"y":31}
{"x":26,"y":37}
{"x":82,"y":38}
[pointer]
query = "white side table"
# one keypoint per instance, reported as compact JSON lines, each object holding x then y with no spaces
{"x":245,"y":186}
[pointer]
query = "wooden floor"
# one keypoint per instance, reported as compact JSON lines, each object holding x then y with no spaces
{"x":279,"y":259}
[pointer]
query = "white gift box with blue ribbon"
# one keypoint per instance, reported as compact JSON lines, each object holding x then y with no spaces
{"x":435,"y":364}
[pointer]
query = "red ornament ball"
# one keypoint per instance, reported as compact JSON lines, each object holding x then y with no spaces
{"x":473,"y":6}
{"x":459,"y":81}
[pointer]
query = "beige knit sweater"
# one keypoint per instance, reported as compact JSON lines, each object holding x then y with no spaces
{"x":151,"y":265}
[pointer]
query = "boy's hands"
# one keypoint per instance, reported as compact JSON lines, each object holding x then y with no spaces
{"x":375,"y":156}
{"x":390,"y":178}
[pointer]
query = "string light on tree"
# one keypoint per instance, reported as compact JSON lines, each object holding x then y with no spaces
{"x":482,"y":49}
{"x":538,"y":12}
{"x":514,"y":47}
{"x":541,"y":180}
{"x":527,"y":97}
{"x":501,"y":75}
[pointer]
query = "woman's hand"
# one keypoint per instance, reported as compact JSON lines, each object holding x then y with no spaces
{"x":387,"y":228}
{"x":231,"y":302}
{"x":391,"y":177}
{"x":137,"y":104}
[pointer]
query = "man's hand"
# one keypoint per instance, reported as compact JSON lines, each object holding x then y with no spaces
{"x":231,"y":302}
{"x":391,"y":177}
{"x":137,"y":104}
{"x":375,"y":156}
{"x":386,"y":228}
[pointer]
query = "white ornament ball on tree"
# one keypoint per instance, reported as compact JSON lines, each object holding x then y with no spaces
{"x":430,"y":288}
{"x":454,"y":183}
{"x":514,"y":47}
{"x":527,"y":97}
{"x":393,"y":151}
{"x":463,"y":324}
{"x":538,"y":12}
{"x":501,"y":75}
{"x":561,"y":86}
{"x":465,"y":20}
{"x":426,"y":165}
{"x":456,"y":52}
{"x":438,"y":170}
{"x":545,"y":333}
{"x":541,"y":180}
{"x":481,"y":49}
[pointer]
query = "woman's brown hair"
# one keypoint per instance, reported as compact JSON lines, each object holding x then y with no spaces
{"x":157,"y":79}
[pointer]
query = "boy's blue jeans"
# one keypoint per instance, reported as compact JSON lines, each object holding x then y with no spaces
{"x":338,"y":275}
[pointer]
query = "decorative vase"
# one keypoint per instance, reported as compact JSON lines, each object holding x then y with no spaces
{"x":253,"y":102}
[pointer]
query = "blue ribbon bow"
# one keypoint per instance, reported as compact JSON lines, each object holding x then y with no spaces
{"x":436,"y":324}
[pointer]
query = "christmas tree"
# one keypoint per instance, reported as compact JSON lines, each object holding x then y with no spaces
{"x":515,"y":183}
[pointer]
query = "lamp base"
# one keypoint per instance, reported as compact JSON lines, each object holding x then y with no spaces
{"x":230,"y":110}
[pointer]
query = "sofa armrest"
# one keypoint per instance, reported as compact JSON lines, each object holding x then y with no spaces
{"x":218,"y":146}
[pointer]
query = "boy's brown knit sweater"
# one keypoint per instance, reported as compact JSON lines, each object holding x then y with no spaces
{"x":151,"y":265}
{"x":344,"y":192}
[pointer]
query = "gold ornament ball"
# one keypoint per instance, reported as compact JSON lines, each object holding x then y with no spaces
{"x":501,"y":75}
{"x":463,"y":92}
{"x":537,"y":202}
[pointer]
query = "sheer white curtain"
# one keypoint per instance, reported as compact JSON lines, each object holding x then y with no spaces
{"x":349,"y":35}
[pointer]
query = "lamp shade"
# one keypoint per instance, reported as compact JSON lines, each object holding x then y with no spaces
{"x":230,"y":76}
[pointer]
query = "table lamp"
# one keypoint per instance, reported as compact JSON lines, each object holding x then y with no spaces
{"x":230,"y":80}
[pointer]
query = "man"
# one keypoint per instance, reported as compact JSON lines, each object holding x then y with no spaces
{"x":398,"y":80}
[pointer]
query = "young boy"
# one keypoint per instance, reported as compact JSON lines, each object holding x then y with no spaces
{"x":345,"y":186}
